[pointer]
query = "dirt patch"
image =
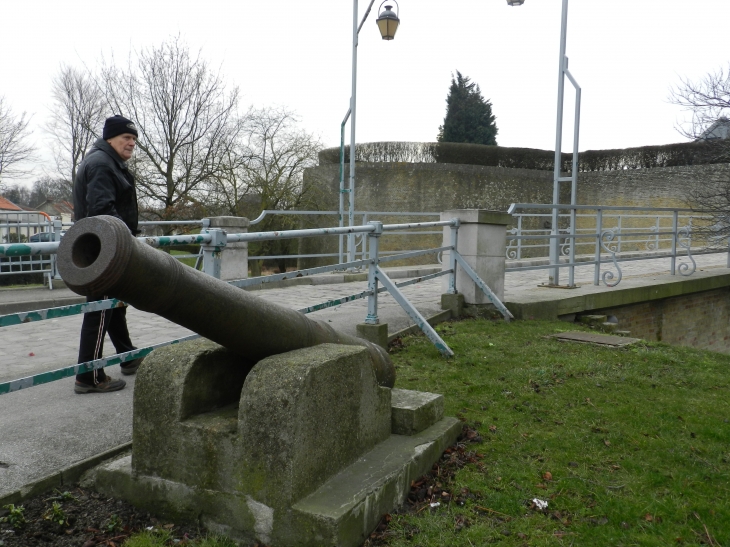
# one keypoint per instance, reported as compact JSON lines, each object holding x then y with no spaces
{"x":436,"y":488}
{"x":81,"y":518}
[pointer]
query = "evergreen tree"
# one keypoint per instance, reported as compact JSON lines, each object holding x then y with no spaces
{"x":468,"y":116}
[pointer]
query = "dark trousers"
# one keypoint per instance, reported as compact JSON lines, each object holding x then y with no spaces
{"x":91,"y":346}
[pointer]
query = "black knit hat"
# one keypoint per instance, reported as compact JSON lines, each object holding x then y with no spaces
{"x":118,"y":125}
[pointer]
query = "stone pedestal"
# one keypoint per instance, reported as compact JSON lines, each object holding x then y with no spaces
{"x":377,"y":334}
{"x":301,"y":449}
{"x":234,"y":260}
{"x":482,"y":243}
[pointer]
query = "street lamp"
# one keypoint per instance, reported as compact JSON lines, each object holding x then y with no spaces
{"x":563,"y":72}
{"x":388,"y":22}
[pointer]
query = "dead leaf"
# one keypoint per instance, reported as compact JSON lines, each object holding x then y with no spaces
{"x":547,"y":475}
{"x":493,"y":428}
{"x":607,"y":442}
{"x":648,"y":518}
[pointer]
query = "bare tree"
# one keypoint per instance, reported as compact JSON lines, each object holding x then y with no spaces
{"x":183,"y":113}
{"x":17,"y":193}
{"x":76,"y":117}
{"x":47,"y":188}
{"x":264,"y":170}
{"x":707,"y":100}
{"x":267,"y":162}
{"x":14,"y":148}
{"x":708,"y":103}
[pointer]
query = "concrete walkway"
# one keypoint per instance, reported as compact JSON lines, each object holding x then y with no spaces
{"x":46,"y":429}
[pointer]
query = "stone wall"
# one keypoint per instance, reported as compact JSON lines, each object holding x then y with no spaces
{"x":436,"y":187}
{"x":699,"y":320}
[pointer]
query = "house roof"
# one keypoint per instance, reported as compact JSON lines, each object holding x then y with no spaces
{"x":56,"y":208}
{"x":718,"y":130}
{"x":7,"y":205}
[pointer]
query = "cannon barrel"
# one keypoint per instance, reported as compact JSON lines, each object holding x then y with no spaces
{"x":98,"y":257}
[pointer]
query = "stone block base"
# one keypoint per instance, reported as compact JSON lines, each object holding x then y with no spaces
{"x":453,"y":303}
{"x":303,"y":448}
{"x":341,"y":513}
{"x":377,"y":334}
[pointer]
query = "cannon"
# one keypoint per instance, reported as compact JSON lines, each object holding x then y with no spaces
{"x":98,"y":257}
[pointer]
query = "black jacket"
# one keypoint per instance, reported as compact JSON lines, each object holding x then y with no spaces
{"x":104,"y":186}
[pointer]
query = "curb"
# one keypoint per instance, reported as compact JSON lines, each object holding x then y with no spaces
{"x":65,"y":477}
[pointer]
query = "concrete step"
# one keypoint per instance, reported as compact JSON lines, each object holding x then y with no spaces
{"x":414,"y":411}
{"x":347,"y":507}
{"x":593,"y":320}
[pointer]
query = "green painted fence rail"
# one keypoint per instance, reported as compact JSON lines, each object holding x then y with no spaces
{"x":61,"y":311}
{"x":73,"y":370}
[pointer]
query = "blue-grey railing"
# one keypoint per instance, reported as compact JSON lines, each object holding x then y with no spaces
{"x":29,"y":227}
{"x":608,"y":235}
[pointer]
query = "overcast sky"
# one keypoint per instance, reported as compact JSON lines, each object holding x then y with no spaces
{"x":626,"y":55}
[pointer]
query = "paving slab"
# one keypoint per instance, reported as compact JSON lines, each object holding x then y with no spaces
{"x":594,"y":338}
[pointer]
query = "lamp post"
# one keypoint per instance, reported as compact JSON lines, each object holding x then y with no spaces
{"x":563,"y":72}
{"x":387,"y":22}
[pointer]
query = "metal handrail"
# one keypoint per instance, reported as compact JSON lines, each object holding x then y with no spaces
{"x":657,"y":238}
{"x":212,"y":241}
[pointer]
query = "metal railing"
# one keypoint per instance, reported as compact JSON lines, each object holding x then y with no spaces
{"x":213,"y":241}
{"x":360,"y":242}
{"x":600,"y":235}
{"x":22,"y":227}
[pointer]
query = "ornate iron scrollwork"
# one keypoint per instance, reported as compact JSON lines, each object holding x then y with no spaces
{"x":607,"y":237}
{"x":652,"y":244}
{"x":511,"y":252}
{"x":684,"y":240}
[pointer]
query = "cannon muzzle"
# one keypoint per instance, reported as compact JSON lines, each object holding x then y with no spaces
{"x":98,"y":257}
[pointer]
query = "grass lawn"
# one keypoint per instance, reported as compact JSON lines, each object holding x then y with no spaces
{"x":627,"y":446}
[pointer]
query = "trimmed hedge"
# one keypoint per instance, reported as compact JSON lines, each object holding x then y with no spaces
{"x":668,"y":155}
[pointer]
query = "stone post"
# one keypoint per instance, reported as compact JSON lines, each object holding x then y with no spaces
{"x":234,"y":261}
{"x":482,"y":243}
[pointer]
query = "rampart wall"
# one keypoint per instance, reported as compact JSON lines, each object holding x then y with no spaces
{"x":436,"y":187}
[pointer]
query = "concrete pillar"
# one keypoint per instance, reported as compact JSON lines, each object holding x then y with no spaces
{"x":234,"y":260}
{"x":482,"y":243}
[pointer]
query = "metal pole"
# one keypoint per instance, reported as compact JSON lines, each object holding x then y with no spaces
{"x":675,"y":227}
{"x":353,"y":117}
{"x":452,"y":256}
{"x":599,"y":229}
{"x":574,"y":183}
{"x":342,"y":183}
{"x":554,"y":278}
{"x":372,"y":317}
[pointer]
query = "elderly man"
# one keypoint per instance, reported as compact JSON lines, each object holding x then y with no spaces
{"x":104,"y":186}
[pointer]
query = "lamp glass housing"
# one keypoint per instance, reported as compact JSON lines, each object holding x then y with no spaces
{"x":388,"y":23}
